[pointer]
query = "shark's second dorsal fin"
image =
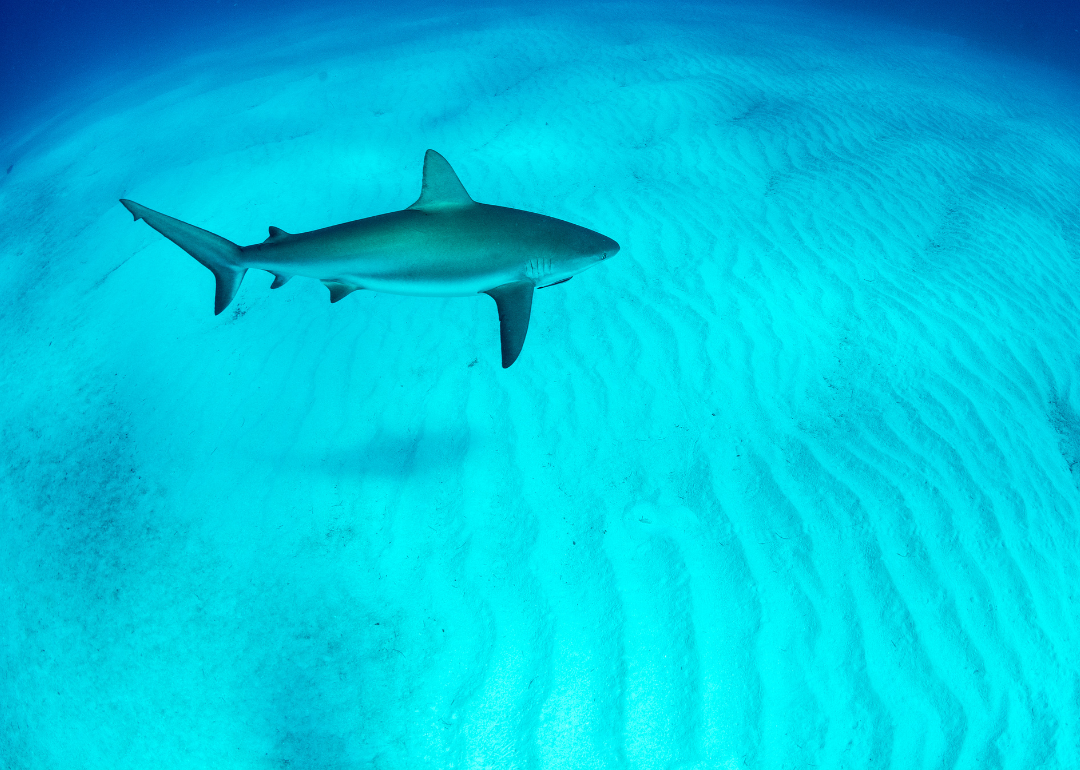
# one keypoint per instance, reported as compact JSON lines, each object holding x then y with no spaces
{"x":275,"y":233}
{"x":442,"y":189}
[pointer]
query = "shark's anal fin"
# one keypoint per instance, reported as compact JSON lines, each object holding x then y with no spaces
{"x":339,"y":291}
{"x":514,"y":301}
{"x":280,"y":280}
{"x":441,"y":189}
{"x":221,"y":257}
{"x":275,"y":234}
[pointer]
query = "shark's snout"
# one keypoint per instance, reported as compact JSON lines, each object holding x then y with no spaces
{"x":610,"y":249}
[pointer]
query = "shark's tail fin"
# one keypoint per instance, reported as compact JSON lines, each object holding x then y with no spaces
{"x":222,"y":257}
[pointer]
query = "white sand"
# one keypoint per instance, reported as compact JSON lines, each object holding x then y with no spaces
{"x":792,"y":481}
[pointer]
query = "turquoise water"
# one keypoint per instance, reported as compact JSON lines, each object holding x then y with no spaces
{"x":791,"y":481}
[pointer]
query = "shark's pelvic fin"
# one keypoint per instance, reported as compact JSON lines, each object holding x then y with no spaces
{"x":441,"y":189}
{"x":220,"y":256}
{"x":275,"y":233}
{"x":279,"y":280}
{"x":514,"y":301}
{"x":339,"y":291}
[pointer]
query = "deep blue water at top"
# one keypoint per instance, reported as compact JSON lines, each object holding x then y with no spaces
{"x":51,"y":50}
{"x":1047,"y":31}
{"x":60,"y":47}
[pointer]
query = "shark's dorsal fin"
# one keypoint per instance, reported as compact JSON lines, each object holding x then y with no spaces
{"x":442,"y":189}
{"x":275,"y":233}
{"x":515,"y":306}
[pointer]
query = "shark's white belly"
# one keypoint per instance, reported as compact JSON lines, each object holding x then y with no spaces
{"x":431,"y":286}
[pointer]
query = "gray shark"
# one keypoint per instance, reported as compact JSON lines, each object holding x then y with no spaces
{"x":444,"y":245}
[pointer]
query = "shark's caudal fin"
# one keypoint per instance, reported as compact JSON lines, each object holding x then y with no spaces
{"x":222,"y":257}
{"x":515,"y":306}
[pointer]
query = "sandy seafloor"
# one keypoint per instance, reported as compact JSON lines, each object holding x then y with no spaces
{"x":791,"y":482}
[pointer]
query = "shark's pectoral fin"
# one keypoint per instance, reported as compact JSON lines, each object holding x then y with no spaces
{"x":515,"y":306}
{"x":338,"y":290}
{"x":280,"y":280}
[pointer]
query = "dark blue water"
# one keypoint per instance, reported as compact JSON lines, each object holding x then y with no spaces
{"x":1044,"y":30}
{"x":52,"y":50}
{"x":49,"y":47}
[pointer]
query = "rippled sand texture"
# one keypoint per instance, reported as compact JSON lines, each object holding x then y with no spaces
{"x":791,"y":482}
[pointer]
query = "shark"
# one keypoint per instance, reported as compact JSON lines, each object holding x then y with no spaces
{"x":443,"y":245}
